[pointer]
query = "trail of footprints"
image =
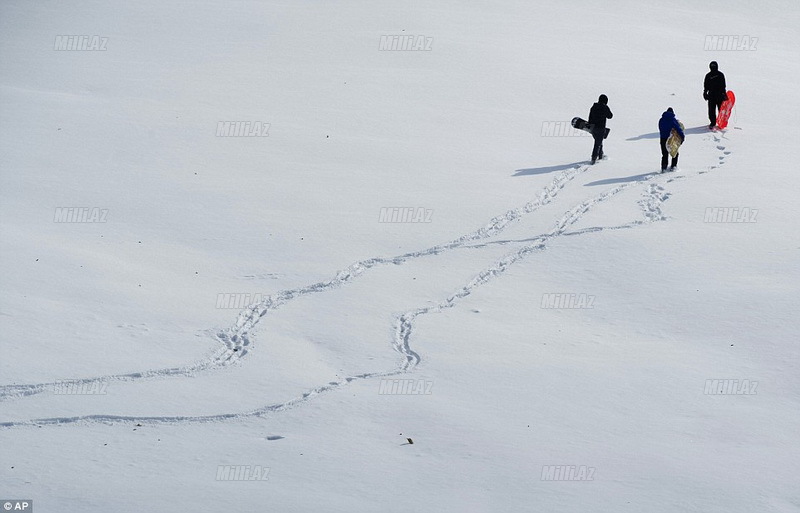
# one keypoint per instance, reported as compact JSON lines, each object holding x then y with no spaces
{"x":235,"y":341}
{"x":717,"y":138}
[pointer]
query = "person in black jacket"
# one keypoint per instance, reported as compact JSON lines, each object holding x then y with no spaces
{"x":714,"y":92}
{"x":597,"y":119}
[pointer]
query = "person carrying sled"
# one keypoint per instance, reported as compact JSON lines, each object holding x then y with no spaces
{"x":714,"y":92}
{"x":666,"y":124}
{"x":598,"y":115}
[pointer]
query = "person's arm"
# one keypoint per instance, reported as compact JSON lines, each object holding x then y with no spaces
{"x":724,"y":88}
{"x":705,"y":88}
{"x":680,"y":130}
{"x":610,"y":115}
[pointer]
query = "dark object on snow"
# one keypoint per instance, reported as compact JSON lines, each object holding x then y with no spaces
{"x":666,"y":125}
{"x":714,"y":91}
{"x":598,"y":115}
{"x":410,"y":440}
{"x":582,"y":124}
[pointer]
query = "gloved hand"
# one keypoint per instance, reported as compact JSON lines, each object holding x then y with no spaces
{"x":705,"y":95}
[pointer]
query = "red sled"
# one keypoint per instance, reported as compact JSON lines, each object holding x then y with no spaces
{"x":725,"y":110}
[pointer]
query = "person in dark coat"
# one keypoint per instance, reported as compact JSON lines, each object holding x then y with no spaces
{"x":598,"y":115}
{"x":714,"y":92}
{"x":665,"y":126}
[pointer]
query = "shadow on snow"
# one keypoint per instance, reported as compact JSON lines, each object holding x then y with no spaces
{"x":607,"y":181}
{"x":688,"y":131}
{"x":548,"y":169}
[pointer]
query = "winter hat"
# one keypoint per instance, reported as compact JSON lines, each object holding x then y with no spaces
{"x":603,"y":99}
{"x":669,"y":109}
{"x":713,"y":65}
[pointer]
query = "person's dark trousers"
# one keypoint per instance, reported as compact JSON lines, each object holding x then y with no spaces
{"x":597,"y":150}
{"x":665,"y":155}
{"x":713,"y":106}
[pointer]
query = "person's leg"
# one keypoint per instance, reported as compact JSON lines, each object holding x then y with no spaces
{"x":597,"y":149}
{"x":712,"y":113}
{"x":674,"y":161}
{"x":664,"y":153}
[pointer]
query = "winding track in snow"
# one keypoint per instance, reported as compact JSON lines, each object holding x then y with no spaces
{"x":236,"y":339}
{"x":403,"y":324}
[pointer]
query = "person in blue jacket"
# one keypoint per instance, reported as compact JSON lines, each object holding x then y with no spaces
{"x":665,"y":126}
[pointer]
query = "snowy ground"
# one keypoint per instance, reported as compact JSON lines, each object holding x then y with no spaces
{"x":175,"y":388}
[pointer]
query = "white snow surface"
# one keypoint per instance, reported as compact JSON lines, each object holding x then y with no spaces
{"x":176,"y":388}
